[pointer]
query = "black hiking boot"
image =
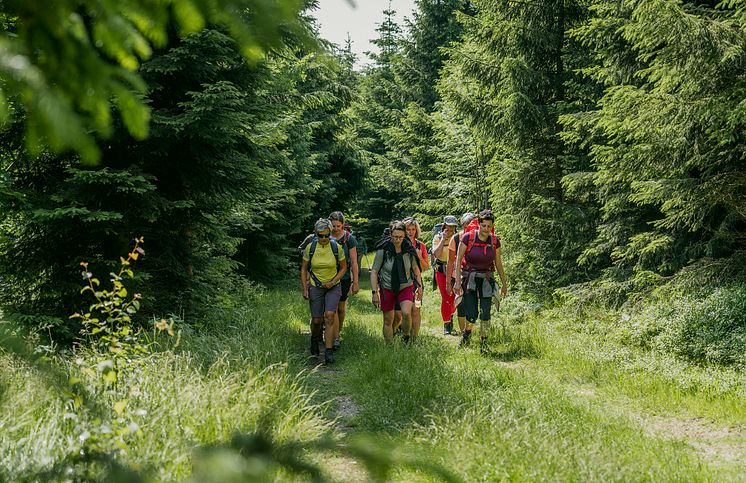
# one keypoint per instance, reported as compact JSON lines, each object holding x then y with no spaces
{"x":465,"y":339}
{"x":314,"y":346}
{"x":483,"y":347}
{"x":405,"y":339}
{"x":328,"y":356}
{"x":336,"y":345}
{"x":448,"y":328}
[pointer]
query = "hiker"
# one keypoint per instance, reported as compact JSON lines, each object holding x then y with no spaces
{"x":413,"y":234}
{"x":395,"y":268}
{"x":466,"y":220}
{"x":323,"y":266}
{"x":479,"y":253}
{"x":349,"y":281}
{"x":440,"y":252}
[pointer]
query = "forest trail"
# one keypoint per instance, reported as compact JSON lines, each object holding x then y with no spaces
{"x":718,"y":446}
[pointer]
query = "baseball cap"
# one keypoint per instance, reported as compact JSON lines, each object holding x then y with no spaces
{"x":450,"y":220}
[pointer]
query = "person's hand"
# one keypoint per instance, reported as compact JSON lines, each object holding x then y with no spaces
{"x":375,"y":299}
{"x":419,"y":292}
{"x":355,"y":288}
{"x":305,"y":292}
{"x":449,"y":288}
{"x":328,"y":285}
{"x":458,"y":290}
{"x":504,"y":291}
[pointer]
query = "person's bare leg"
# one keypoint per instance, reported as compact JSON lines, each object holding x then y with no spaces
{"x":388,"y":326}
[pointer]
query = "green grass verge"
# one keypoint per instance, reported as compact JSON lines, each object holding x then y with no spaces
{"x":549,"y":403}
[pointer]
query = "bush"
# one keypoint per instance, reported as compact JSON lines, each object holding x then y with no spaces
{"x":710,"y":330}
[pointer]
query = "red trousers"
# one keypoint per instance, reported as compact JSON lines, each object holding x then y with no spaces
{"x":446,"y":304}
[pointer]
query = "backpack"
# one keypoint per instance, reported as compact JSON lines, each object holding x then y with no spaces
{"x":315,"y":241}
{"x":475,"y":241}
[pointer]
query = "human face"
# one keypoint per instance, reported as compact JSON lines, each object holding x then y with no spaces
{"x":323,"y":237}
{"x":397,"y":237}
{"x":485,"y":227}
{"x":412,"y":231}
{"x":448,"y":231}
{"x":337,"y":228}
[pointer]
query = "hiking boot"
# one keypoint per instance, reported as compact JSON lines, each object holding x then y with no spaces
{"x":328,"y":356}
{"x":448,"y":328}
{"x":405,"y":339}
{"x":336,"y":345}
{"x":483,"y":347}
{"x":465,"y":339}
{"x":314,"y":346}
{"x":399,"y":331}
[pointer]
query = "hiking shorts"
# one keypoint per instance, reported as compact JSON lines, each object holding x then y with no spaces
{"x":346,"y":284}
{"x":389,"y":300}
{"x":323,"y":299}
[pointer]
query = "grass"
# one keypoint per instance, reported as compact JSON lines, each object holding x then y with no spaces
{"x":548,"y":403}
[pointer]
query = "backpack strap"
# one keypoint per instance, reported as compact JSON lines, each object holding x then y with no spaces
{"x":312,"y":250}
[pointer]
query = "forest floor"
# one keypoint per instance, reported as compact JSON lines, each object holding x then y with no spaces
{"x":548,"y":402}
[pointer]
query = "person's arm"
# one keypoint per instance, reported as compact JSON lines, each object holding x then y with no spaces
{"x":338,"y":276}
{"x":424,"y":262}
{"x":418,"y":277}
{"x":451,"y":263}
{"x":438,"y":248}
{"x":501,"y":273}
{"x":355,"y":270}
{"x":304,"y":278}
{"x":457,"y":274}
{"x":374,"y":287}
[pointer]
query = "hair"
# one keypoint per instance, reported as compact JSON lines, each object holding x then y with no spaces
{"x":409,"y":221}
{"x":486,"y":215}
{"x":321,"y":225}
{"x":337,"y":216}
{"x":397,"y":225}
{"x":466,"y":218}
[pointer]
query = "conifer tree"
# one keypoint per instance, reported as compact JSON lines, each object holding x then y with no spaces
{"x":511,"y":78}
{"x":670,"y":170}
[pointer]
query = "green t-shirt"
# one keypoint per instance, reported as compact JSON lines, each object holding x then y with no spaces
{"x":351,"y":243}
{"x":323,"y":265}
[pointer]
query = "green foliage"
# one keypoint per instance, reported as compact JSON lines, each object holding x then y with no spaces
{"x":235,"y":151}
{"x":67,"y":66}
{"x":664,"y":135}
{"x":510,"y":80}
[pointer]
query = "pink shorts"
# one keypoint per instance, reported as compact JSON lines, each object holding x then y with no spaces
{"x":389,"y":300}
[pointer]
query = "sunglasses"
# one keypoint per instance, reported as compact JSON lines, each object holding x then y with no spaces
{"x":319,"y":235}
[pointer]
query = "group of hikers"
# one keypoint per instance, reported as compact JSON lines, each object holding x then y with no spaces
{"x":464,"y":261}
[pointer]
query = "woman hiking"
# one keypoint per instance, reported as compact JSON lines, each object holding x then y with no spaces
{"x":349,"y":282}
{"x":322,"y":268}
{"x":478,"y":258}
{"x":413,"y":234}
{"x":466,"y":220}
{"x":396,"y":267}
{"x":440,"y":253}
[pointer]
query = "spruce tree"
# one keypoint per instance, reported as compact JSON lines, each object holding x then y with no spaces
{"x":511,"y":79}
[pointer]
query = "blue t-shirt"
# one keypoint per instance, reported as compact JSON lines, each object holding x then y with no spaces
{"x":347,"y":242}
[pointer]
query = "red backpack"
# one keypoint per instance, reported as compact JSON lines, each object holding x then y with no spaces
{"x":475,"y":241}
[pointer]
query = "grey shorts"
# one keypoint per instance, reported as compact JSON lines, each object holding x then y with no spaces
{"x":323,"y":299}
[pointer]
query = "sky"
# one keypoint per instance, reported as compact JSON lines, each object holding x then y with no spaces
{"x":338,"y":17}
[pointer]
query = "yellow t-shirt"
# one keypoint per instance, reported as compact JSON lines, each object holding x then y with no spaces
{"x":324,"y":265}
{"x":444,"y":254}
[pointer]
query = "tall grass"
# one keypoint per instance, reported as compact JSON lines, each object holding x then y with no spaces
{"x":547,"y":403}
